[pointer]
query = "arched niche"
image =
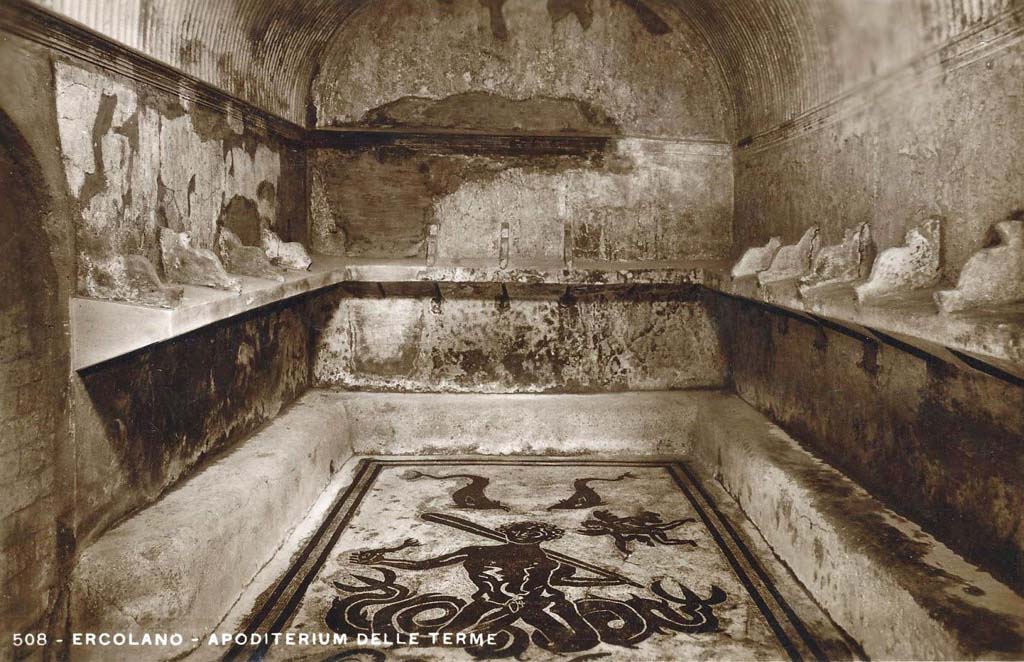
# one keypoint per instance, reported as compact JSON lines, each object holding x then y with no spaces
{"x":606,"y":67}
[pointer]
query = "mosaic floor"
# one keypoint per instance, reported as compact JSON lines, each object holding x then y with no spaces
{"x":535,"y":560}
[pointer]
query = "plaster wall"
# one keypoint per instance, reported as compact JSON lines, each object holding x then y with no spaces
{"x":137,"y":160}
{"x":473,"y":340}
{"x":604,"y":115}
{"x":943,"y":141}
{"x":625,"y":199}
{"x":933,"y":129}
{"x":602,"y":66}
{"x":88,"y":175}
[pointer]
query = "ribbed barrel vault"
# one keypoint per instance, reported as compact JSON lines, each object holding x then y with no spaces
{"x":780,"y":58}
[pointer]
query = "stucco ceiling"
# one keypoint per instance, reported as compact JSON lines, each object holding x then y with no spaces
{"x":780,"y":58}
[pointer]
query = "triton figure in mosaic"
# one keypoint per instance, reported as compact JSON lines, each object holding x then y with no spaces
{"x":518,"y":583}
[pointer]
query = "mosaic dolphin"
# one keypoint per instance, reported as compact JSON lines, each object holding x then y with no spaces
{"x":471,"y":496}
{"x":585,"y":496}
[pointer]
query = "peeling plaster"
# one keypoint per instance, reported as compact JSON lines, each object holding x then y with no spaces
{"x":633,"y":199}
{"x":647,"y":84}
{"x":148,"y":170}
{"x":657,"y":201}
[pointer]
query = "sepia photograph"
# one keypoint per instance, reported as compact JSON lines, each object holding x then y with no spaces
{"x":526,"y":330}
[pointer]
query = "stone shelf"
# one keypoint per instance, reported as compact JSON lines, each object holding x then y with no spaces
{"x":103,"y":330}
{"x":993,"y":336}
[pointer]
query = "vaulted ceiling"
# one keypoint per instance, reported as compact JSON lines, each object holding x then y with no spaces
{"x":779,"y":58}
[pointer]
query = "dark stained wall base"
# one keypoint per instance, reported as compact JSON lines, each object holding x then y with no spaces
{"x":939,"y":445}
{"x":149,"y":419}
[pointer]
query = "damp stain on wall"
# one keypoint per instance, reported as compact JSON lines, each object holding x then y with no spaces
{"x":938,"y":444}
{"x":625,"y":200}
{"x":618,"y":57}
{"x":147,"y":420}
{"x":472,"y":341}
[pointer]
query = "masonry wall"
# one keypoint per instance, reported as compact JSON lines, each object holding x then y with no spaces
{"x":534,"y":340}
{"x":565,"y":67}
{"x":938,"y":444}
{"x":93,"y":165}
{"x":604,"y":116}
{"x":607,"y":119}
{"x":137,"y":160}
{"x":929,"y":123}
{"x":30,"y":396}
{"x":623,"y":199}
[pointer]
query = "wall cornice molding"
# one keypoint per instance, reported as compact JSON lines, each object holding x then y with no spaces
{"x":75,"y":41}
{"x":985,"y":40}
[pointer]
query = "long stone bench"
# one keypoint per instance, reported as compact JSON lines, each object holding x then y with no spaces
{"x":642,"y":423}
{"x":179,"y":565}
{"x":896,"y":590}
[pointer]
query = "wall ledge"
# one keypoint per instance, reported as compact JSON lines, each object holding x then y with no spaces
{"x":987,"y":339}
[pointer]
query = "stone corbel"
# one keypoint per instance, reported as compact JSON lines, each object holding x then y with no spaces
{"x":756,"y":259}
{"x":432,"y":231}
{"x":286,"y":254}
{"x":183,"y":263}
{"x":792,"y":261}
{"x":504,"y":245}
{"x":245,"y":260}
{"x":841,"y":263}
{"x":568,"y":244}
{"x":993,"y":276}
{"x":914,"y":266}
